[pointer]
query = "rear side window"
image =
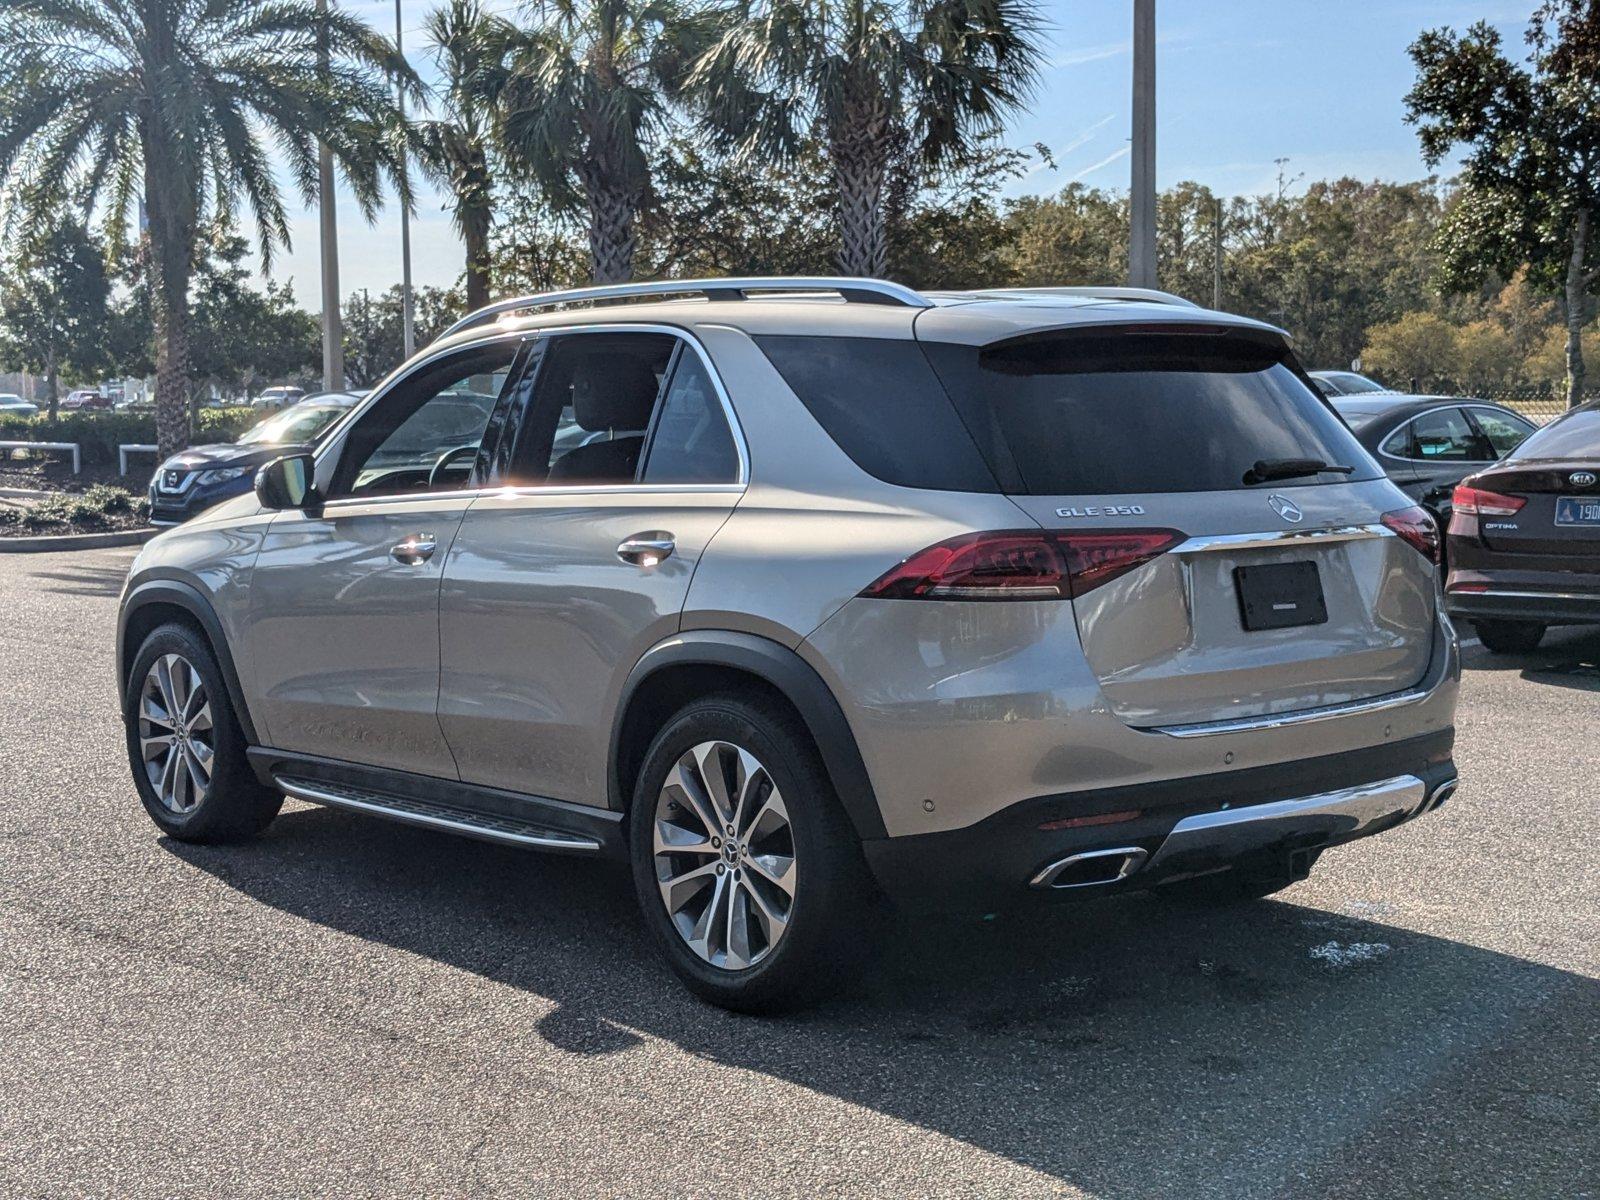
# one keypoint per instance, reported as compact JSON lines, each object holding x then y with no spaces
{"x":879,"y":400}
{"x":691,"y":442}
{"x":1445,"y":436}
{"x":1575,"y":435}
{"x":1097,"y":413}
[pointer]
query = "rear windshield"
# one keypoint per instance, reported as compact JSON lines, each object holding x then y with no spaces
{"x":1575,"y":435}
{"x":1109,"y":413}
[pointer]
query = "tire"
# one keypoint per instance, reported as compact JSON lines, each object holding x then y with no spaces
{"x":185,"y":801}
{"x":737,"y":963}
{"x":1509,"y":637}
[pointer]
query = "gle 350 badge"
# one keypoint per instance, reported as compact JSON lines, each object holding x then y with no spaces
{"x":1103,"y":510}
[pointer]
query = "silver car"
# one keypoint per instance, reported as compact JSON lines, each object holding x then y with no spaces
{"x":799,"y":592}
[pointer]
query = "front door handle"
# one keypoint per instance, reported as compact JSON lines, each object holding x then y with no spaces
{"x":647,"y":549}
{"x":413,"y":549}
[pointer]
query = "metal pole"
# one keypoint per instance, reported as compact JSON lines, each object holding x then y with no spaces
{"x":1142,"y":201}
{"x":332,"y":326}
{"x":1216,"y":257}
{"x":407,"y":312}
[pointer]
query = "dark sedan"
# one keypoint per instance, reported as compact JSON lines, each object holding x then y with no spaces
{"x":1525,"y":538}
{"x":201,"y":477}
{"x":1428,"y":444}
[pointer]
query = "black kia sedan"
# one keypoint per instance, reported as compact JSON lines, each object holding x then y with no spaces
{"x":1525,"y":538}
{"x":1428,"y":444}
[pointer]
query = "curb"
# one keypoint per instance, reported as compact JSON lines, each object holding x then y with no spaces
{"x":77,"y":541}
{"x":11,"y":493}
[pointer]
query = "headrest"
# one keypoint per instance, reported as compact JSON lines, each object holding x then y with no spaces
{"x":612,"y":392}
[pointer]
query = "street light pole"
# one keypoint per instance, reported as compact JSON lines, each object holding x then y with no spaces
{"x":332,"y":326}
{"x":407,"y":316}
{"x":1142,"y":200}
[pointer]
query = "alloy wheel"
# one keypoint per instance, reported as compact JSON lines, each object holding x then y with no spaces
{"x":176,"y":740}
{"x":724,"y":855}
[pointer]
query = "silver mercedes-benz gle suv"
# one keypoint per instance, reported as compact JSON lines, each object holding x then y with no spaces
{"x":801,"y":592}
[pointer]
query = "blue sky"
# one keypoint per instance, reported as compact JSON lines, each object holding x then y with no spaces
{"x":1239,"y":84}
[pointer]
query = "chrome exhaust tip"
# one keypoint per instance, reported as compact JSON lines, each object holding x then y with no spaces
{"x":1439,"y":795}
{"x":1092,"y":868}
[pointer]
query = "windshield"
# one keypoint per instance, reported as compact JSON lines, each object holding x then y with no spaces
{"x":302,"y":423}
{"x":1352,"y":384}
{"x":1122,"y":412}
{"x":1359,"y":415}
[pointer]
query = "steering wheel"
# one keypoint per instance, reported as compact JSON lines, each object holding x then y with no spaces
{"x":445,"y":459}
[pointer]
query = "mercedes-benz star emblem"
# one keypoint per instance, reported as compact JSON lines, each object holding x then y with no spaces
{"x":1581,"y":479}
{"x":1286,"y":508}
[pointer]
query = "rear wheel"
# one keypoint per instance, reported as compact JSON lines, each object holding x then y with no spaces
{"x":1509,"y":637}
{"x":748,"y":873}
{"x":185,"y":745}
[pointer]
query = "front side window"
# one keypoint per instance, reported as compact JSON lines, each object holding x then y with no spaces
{"x":1446,"y":436}
{"x":1505,"y":433}
{"x":423,"y":435}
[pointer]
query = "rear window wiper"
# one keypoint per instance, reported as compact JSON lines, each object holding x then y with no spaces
{"x":1268,"y":469}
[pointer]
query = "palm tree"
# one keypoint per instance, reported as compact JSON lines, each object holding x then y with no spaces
{"x":584,"y":91}
{"x":456,"y":147}
{"x":858,"y":76}
{"x":176,"y":103}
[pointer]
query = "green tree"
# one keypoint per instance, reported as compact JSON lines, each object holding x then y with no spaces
{"x":1530,"y":184}
{"x":581,"y":96}
{"x":857,"y":78}
{"x":53,"y":295}
{"x":374,"y":330}
{"x":245,"y":337}
{"x":1418,"y":347}
{"x":175,"y":103}
{"x":465,"y":42}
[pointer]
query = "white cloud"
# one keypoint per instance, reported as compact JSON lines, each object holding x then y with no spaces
{"x":1120,"y":152}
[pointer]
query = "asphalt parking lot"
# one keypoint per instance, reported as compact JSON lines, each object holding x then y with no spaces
{"x":356,"y":1008}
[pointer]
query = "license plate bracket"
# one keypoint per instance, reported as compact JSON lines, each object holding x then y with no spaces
{"x":1582,"y":511}
{"x":1280,"y":595}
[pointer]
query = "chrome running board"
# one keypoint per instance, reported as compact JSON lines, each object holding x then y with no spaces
{"x":489,"y":828}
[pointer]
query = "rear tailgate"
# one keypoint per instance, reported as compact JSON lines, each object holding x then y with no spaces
{"x":1169,"y":641}
{"x":1558,"y":518}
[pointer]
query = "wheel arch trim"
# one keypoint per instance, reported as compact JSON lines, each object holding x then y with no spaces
{"x":792,"y":676}
{"x":185,"y":596}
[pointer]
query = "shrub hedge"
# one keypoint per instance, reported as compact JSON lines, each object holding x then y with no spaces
{"x":99,"y":507}
{"x":98,"y":434}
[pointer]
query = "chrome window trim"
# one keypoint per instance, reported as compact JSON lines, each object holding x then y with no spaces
{"x":1432,"y":462}
{"x":403,"y":372}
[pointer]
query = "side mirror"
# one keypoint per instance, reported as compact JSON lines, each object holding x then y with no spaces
{"x":286,"y":482}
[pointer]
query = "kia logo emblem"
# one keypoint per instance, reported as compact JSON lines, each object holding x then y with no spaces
{"x":1581,"y":479}
{"x":1286,"y":508}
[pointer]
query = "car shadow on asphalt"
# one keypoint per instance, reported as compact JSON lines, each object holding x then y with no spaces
{"x":85,"y":580}
{"x":1126,"y":1047}
{"x":1569,"y":657}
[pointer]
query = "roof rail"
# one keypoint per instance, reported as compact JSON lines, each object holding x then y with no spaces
{"x":856,"y":291}
{"x":1148,"y":295}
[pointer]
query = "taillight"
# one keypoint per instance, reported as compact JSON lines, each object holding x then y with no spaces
{"x":1021,"y":564}
{"x":1478,"y":502}
{"x":1418,"y":528}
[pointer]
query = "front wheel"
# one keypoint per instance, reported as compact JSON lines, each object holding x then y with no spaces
{"x":1509,"y":637}
{"x":748,"y":873}
{"x":185,"y":745}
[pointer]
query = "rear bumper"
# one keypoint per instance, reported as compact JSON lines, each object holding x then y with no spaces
{"x":1171,"y":830}
{"x":1568,"y":607}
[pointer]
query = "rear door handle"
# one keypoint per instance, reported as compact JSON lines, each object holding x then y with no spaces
{"x":413,"y":549}
{"x":647,"y":549}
